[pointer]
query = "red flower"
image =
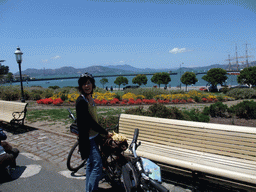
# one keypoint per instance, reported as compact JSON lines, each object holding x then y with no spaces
{"x":210,"y":99}
{"x":175,"y":101}
{"x":190,"y":100}
{"x":97,"y":101}
{"x":183,"y":101}
{"x":131,"y":101}
{"x":138,"y":102}
{"x":204,"y":100}
{"x":163,"y":101}
{"x":57,"y":101}
{"x":124,"y":102}
{"x":145,"y":101}
{"x":45,"y":101}
{"x":114,"y":101}
{"x":104,"y":102}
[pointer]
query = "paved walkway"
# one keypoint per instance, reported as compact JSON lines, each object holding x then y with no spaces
{"x":45,"y":144}
{"x":53,"y":147}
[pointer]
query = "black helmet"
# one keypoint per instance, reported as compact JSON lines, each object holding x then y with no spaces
{"x":84,"y":78}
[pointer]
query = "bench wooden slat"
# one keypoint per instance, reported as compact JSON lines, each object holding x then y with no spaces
{"x":194,"y":138}
{"x":198,"y":146}
{"x":195,"y":130}
{"x":247,"y":152}
{"x":193,"y":156}
{"x":236,"y":148}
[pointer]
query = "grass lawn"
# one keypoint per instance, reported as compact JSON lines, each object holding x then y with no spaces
{"x":63,"y":114}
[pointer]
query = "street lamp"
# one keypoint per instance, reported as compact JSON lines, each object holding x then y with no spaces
{"x":18,"y":54}
{"x":180,"y":75}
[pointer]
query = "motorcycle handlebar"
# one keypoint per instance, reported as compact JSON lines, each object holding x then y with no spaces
{"x":158,"y":186}
{"x":71,"y":115}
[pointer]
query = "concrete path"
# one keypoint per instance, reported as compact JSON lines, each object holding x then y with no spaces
{"x":54,"y":148}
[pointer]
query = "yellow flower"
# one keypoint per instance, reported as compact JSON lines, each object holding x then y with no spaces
{"x":73,"y":97}
{"x":129,"y":95}
{"x":107,"y":96}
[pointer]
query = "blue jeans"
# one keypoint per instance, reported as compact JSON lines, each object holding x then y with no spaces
{"x":93,"y":167}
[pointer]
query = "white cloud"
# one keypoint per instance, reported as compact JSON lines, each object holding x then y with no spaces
{"x":121,"y":61}
{"x":177,"y":50}
{"x":56,"y":57}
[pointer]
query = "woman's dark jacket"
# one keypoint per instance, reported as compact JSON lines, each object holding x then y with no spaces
{"x":84,"y":123}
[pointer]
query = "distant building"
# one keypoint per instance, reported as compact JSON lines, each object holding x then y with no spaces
{"x":24,"y":77}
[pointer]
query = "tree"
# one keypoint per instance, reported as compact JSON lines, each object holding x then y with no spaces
{"x":3,"y":71}
{"x":121,"y":81}
{"x":9,"y":77}
{"x":247,"y":76}
{"x":140,"y":79}
{"x":216,"y":76}
{"x":161,"y":78}
{"x":188,"y":78}
{"x":103,"y":81}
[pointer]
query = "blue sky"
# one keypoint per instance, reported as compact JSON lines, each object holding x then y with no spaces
{"x":143,"y":34}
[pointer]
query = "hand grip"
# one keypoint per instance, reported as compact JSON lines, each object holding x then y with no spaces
{"x":135,"y":135}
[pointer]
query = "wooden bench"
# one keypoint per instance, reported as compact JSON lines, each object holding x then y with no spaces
{"x":13,"y":112}
{"x":223,"y":151}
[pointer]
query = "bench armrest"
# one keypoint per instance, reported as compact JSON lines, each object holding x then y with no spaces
{"x":19,"y":115}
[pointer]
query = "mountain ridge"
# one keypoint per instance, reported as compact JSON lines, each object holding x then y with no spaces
{"x":117,"y":69}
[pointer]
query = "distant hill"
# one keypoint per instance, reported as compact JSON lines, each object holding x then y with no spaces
{"x":117,"y":69}
{"x":96,"y":70}
{"x":70,"y":71}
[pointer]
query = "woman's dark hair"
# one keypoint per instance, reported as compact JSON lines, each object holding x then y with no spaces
{"x":83,"y":79}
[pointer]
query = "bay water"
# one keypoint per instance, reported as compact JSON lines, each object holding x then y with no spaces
{"x":175,"y":81}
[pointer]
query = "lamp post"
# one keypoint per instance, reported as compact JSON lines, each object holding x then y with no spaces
{"x":18,"y":54}
{"x":180,"y":75}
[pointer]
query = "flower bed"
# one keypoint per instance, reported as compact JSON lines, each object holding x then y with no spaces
{"x":109,"y":98}
{"x":47,"y":101}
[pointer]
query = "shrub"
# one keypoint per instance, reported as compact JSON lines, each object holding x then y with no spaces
{"x":137,"y":111}
{"x":54,"y":87}
{"x":100,"y":90}
{"x":220,"y":98}
{"x":197,"y":99}
{"x":245,"y":109}
{"x":109,"y":121}
{"x":225,"y":90}
{"x":196,"y":115}
{"x":36,"y":94}
{"x":150,"y":93}
{"x":159,"y":110}
{"x":10,"y":93}
{"x":218,"y":109}
{"x":118,"y":96}
{"x":48,"y":93}
{"x":64,"y":97}
{"x":206,"y":111}
{"x":242,"y":93}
